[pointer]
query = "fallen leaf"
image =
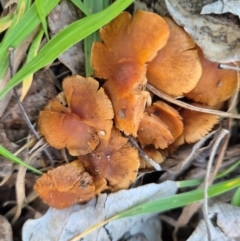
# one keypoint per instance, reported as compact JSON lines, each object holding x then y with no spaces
{"x":184,"y":156}
{"x":217,"y":35}
{"x":42,"y":89}
{"x":222,"y":6}
{"x":65,"y":224}
{"x":6,"y":230}
{"x":61,"y":16}
{"x":224,"y":228}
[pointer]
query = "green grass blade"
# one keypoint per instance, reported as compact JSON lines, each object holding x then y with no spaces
{"x":236,"y":198}
{"x":22,"y":7}
{"x":65,"y":39}
{"x":40,"y":9}
{"x":81,"y":6}
{"x":180,"y":200}
{"x":8,"y":155}
{"x":198,"y":181}
{"x":94,"y":6}
{"x":26,"y":84}
{"x":26,"y":25}
{"x":5,"y":22}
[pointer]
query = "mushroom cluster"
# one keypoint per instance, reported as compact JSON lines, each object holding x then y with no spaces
{"x":134,"y":50}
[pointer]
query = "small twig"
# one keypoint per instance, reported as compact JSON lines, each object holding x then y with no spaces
{"x":208,"y":180}
{"x":24,"y":114}
{"x":226,"y":66}
{"x":143,"y":154}
{"x":191,"y":107}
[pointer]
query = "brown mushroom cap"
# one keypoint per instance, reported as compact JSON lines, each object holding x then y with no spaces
{"x":90,"y":103}
{"x":160,"y":126}
{"x":154,"y":131}
{"x":215,"y":85}
{"x":128,"y":44}
{"x":197,"y":124}
{"x":154,"y":154}
{"x":79,"y":127}
{"x":128,"y":109}
{"x":169,"y":116}
{"x":115,"y":160}
{"x":135,"y":37}
{"x":66,"y":185}
{"x":176,"y":69}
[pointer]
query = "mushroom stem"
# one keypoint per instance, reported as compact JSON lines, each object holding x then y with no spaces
{"x":143,"y":154}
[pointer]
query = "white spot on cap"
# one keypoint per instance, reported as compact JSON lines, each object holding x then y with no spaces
{"x":103,"y":133}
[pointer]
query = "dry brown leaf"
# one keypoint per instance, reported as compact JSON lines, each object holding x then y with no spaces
{"x":61,"y":16}
{"x":42,"y":89}
{"x":19,"y":56}
{"x":6,"y":233}
{"x":217,"y":35}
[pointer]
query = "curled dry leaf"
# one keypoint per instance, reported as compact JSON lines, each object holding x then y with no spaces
{"x":116,"y":161}
{"x":176,"y":68}
{"x":160,"y":126}
{"x":197,"y":124}
{"x":222,"y":6}
{"x":85,"y":121}
{"x":59,"y":18}
{"x":129,"y":43}
{"x":67,"y":185}
{"x":221,"y":83}
{"x":217,"y":35}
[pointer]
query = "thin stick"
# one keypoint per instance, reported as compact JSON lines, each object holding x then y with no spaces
{"x":143,"y":154}
{"x":191,"y":107}
{"x":208,"y":180}
{"x":24,"y":114}
{"x":226,"y":66}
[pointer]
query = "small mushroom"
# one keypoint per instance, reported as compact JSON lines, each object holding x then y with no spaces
{"x":197,"y":124}
{"x":129,"y":43}
{"x":215,"y":85}
{"x":160,"y":126}
{"x":68,"y":184}
{"x":176,"y":69}
{"x":86,"y":120}
{"x":116,"y":161}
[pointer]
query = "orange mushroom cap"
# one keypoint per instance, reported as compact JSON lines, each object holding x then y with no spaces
{"x":160,"y":126}
{"x":197,"y":124}
{"x":128,"y":44}
{"x":86,"y":120}
{"x":128,"y":109}
{"x":115,"y":160}
{"x":215,"y":85}
{"x":176,"y":69}
{"x":154,"y":131}
{"x":154,"y":154}
{"x":169,"y":116}
{"x":66,"y":185}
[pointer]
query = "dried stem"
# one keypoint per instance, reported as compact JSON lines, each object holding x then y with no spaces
{"x":24,"y":114}
{"x":209,"y":178}
{"x":191,"y":107}
{"x":143,"y":154}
